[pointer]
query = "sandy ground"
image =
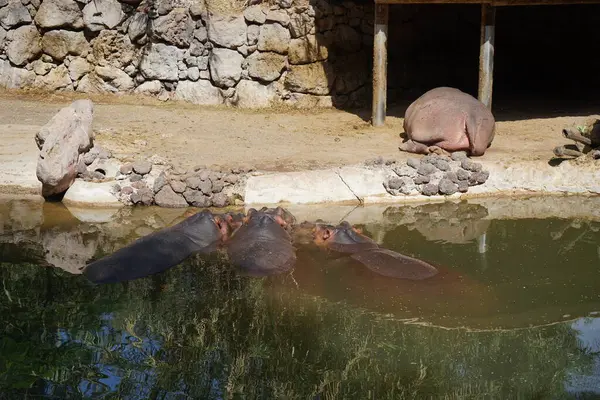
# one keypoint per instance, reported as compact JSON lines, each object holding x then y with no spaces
{"x":272,"y":140}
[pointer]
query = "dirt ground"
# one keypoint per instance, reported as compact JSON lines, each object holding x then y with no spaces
{"x":275,"y":139}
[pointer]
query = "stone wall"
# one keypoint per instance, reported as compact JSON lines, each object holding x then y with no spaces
{"x":310,"y":54}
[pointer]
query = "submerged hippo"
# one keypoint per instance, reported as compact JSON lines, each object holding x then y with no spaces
{"x":201,"y":233}
{"x":444,"y":120}
{"x":262,"y":244}
{"x":344,"y":238}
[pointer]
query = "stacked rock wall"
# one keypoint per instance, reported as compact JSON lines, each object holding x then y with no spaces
{"x":310,"y":54}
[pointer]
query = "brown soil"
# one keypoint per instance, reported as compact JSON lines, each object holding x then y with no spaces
{"x":275,"y":139}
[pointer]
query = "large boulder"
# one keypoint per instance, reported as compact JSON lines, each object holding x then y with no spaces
{"x":113,"y":48}
{"x":161,"y":62}
{"x":274,"y":37}
{"x":61,"y":141}
{"x":201,"y":92}
{"x":116,"y":78}
{"x":176,"y":28}
{"x":59,"y":14}
{"x":14,"y":14}
{"x":316,"y":78}
{"x":227,"y":31}
{"x":26,"y":45}
{"x":58,"y":78}
{"x":225,"y":67}
{"x":102,"y":14}
{"x":251,"y":94}
{"x":61,"y":43}
{"x":308,"y":49}
{"x":15,"y":78}
{"x":266,"y":67}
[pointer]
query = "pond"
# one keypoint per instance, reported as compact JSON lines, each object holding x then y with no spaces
{"x":523,"y":322}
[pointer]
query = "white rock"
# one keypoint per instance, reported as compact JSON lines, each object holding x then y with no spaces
{"x":161,"y":62}
{"x":101,"y":14}
{"x":60,"y":43}
{"x":251,"y":94}
{"x":279,"y":16}
{"x":57,"y":78}
{"x":115,"y":77}
{"x":26,"y":45}
{"x":78,"y":68}
{"x":225,"y":67}
{"x":14,"y":14}
{"x":201,"y":92}
{"x":255,"y":14}
{"x":149,"y":87}
{"x":58,"y":14}
{"x":15,"y":78}
{"x":265,"y":66}
{"x":90,"y":194}
{"x":227,"y":31}
{"x":252,"y":34}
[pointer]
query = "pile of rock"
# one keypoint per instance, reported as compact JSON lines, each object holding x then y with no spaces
{"x":436,"y":175}
{"x":309,"y":55}
{"x":140,"y":183}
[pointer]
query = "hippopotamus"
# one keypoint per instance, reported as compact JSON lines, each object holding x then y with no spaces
{"x":344,"y":238}
{"x":262,"y":244}
{"x":445,"y":120}
{"x":202,"y":232}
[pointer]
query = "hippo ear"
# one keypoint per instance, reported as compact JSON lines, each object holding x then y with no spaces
{"x":280,"y":221}
{"x":327,"y":233}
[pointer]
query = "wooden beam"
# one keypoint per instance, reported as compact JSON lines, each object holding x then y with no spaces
{"x":380,"y":64}
{"x":497,"y":3}
{"x":486,"y":54}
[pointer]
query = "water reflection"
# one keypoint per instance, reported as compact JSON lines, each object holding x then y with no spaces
{"x":521,"y":323}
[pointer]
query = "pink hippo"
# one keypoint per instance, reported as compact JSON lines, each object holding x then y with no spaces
{"x":445,"y":120}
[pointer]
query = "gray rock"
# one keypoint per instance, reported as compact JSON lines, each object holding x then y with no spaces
{"x":59,"y":14}
{"x":462,"y":174}
{"x":127,"y":190}
{"x":308,"y":49}
{"x":126,"y":168}
{"x":176,"y":28}
{"x":266,"y":67}
{"x":112,"y":48}
{"x":463,"y":186}
{"x":193,"y":74}
{"x":61,"y":141}
{"x":217,"y":185}
{"x":426,"y":169}
{"x":177,"y":186}
{"x":102,"y":14}
{"x":470,"y":165}
{"x":255,"y":14}
{"x":78,"y":67}
{"x":405,"y":170}
{"x":478,"y":178}
{"x":225,"y":67}
{"x":227,"y":31}
{"x":316,"y":78}
{"x":15,"y":78}
{"x":421,"y":179}
{"x":196,"y":198}
{"x":135,"y":198}
{"x":142,"y":167}
{"x":458,"y":155}
{"x":60,"y":43}
{"x":92,"y":83}
{"x":14,"y":14}
{"x":252,"y":34}
{"x":193,"y":182}
{"x":135,"y":177}
{"x":57,"y":79}
{"x":442,"y":165}
{"x":413,"y":163}
{"x":279,"y":16}
{"x":447,"y":187}
{"x":166,"y":197}
{"x":430,"y":189}
{"x":395,"y":183}
{"x":26,"y":45}
{"x":285,"y":3}
{"x":159,"y":182}
{"x":219,"y":200}
{"x":198,"y":9}
{"x":137,"y":26}
{"x":161,"y":62}
{"x":451,"y":176}
{"x":205,"y":186}
{"x":201,"y":92}
{"x":146,"y":196}
{"x":232,"y":178}
{"x":274,"y":37}
{"x":201,"y":34}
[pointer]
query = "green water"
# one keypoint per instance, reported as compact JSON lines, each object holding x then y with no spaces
{"x":518,"y":316}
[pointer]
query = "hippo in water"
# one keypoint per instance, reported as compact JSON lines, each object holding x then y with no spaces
{"x":262,"y":244}
{"x":200,"y":233}
{"x":446,"y":120}
{"x":345,"y":238}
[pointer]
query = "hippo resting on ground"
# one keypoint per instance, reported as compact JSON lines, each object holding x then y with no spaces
{"x":344,"y":238}
{"x":446,"y":120}
{"x":201,"y":233}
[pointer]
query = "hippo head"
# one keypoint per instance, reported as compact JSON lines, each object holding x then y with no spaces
{"x":343,"y":238}
{"x":206,"y":226}
{"x":481,"y":129}
{"x":279,"y":215}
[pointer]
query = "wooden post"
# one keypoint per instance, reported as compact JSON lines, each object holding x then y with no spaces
{"x":380,"y":64}
{"x":486,"y":54}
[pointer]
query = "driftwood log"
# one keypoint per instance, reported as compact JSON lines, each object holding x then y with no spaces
{"x":586,"y":141}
